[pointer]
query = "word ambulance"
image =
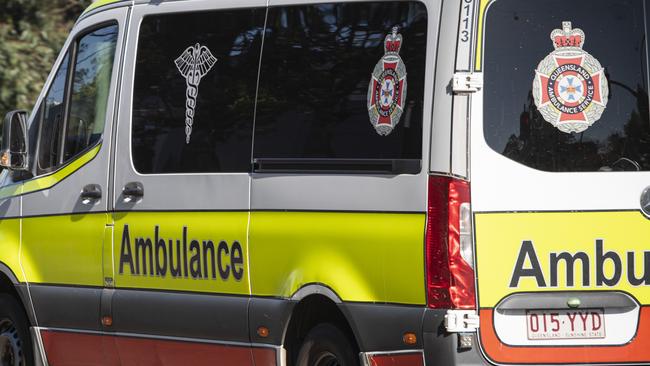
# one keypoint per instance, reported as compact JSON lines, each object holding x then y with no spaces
{"x":604,"y":260}
{"x":198,"y":260}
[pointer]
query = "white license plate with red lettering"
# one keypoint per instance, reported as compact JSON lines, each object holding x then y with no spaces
{"x":565,"y":324}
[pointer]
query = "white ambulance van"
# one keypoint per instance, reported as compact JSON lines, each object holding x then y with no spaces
{"x":333,"y":182}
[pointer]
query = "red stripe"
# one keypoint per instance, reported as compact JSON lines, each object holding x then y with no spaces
{"x":403,"y":359}
{"x":264,"y":356}
{"x":637,"y":351}
{"x":68,"y":349}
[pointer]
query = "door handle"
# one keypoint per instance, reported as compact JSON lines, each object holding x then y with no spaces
{"x":133,"y":192}
{"x":91,"y":193}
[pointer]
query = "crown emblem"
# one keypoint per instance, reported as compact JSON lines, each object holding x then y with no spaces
{"x":393,"y":41}
{"x":568,"y":37}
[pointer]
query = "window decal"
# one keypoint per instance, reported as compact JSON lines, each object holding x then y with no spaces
{"x":387,"y":89}
{"x":195,"y":62}
{"x":570,"y":87}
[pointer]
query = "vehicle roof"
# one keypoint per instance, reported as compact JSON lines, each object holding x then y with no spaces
{"x":97,"y":3}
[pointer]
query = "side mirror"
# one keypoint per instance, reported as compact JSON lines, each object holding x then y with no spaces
{"x":13,"y":152}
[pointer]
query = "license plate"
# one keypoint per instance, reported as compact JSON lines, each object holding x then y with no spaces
{"x":565,"y":324}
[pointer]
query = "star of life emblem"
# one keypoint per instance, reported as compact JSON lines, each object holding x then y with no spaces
{"x":387,"y":89}
{"x":570,"y":88}
{"x":194,"y":63}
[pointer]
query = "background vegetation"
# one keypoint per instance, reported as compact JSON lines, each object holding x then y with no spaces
{"x":32,"y":33}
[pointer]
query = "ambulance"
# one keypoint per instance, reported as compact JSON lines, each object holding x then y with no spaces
{"x":333,"y":183}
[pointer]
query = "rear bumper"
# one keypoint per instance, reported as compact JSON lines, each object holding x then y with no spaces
{"x":379,"y":330}
{"x":442,"y":348}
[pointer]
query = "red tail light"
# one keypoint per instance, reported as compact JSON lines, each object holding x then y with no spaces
{"x":449,"y":250}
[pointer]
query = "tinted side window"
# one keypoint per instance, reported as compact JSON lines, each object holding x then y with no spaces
{"x":73,"y":114}
{"x":90,"y":88}
{"x":53,"y":112}
{"x":517,"y":115}
{"x":194,"y":95}
{"x":318,"y":65}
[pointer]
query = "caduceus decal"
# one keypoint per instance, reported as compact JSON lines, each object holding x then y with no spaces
{"x":195,"y":62}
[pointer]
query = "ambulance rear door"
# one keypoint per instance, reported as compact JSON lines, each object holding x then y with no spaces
{"x":560,"y":161}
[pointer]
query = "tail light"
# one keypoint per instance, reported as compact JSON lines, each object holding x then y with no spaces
{"x":449,"y":249}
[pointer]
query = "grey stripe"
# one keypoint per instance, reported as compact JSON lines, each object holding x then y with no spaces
{"x":155,"y":313}
{"x":66,"y":307}
{"x":185,"y":315}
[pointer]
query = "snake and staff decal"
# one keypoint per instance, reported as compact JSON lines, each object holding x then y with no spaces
{"x":195,"y":62}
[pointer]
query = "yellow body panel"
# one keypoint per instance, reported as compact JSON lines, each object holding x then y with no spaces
{"x":64,"y":249}
{"x":10,"y":246}
{"x":370,"y":257}
{"x":217,"y":227}
{"x":500,"y":239}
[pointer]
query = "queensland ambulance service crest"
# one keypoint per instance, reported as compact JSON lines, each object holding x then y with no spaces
{"x":387,"y":89}
{"x":570,"y":87}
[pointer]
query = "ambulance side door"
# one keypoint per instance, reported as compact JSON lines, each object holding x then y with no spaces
{"x":64,"y":207}
{"x":182,"y":178}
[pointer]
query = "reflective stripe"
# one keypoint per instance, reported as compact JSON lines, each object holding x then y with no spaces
{"x":10,"y":248}
{"x":561,"y":251}
{"x":98,"y":3}
{"x":183,"y":251}
{"x":102,"y":348}
{"x":55,"y":251}
{"x":480,"y":32}
{"x":368,"y":257}
{"x":635,"y":352}
{"x":396,"y":358}
{"x":48,"y":181}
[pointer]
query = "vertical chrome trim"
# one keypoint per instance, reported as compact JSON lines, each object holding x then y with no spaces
{"x":281,"y":356}
{"x":250,"y":176}
{"x":40,"y":358}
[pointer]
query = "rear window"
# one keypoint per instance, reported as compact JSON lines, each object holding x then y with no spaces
{"x":566,"y":87}
{"x":325,"y":67}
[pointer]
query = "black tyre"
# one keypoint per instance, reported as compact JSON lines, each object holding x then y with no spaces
{"x":15,"y":341}
{"x":326,"y":345}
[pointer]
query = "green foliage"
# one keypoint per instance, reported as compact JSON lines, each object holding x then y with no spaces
{"x":31,"y":35}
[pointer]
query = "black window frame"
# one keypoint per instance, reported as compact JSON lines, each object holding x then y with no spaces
{"x":628,"y":165}
{"x":249,"y":163}
{"x":71,"y":52}
{"x":344,"y":166}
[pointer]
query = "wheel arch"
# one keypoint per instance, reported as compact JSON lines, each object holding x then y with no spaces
{"x":9,"y":284}
{"x":315,"y":304}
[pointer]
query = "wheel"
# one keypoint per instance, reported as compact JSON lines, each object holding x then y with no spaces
{"x":326,"y":345}
{"x":15,"y":341}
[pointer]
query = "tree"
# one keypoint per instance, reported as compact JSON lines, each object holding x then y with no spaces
{"x":31,"y":35}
